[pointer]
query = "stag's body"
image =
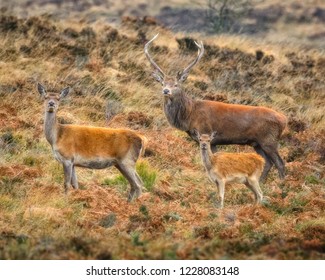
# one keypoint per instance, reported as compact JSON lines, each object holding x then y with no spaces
{"x":258,"y":126}
{"x":223,"y":168}
{"x":91,"y":147}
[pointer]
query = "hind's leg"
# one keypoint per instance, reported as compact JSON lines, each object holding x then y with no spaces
{"x":130,"y":174}
{"x":74,"y":180}
{"x":67,"y":169}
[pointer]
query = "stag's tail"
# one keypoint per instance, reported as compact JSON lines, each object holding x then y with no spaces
{"x":283,"y":121}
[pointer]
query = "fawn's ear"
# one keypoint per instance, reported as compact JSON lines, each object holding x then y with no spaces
{"x":213,"y":135}
{"x":41,"y":90}
{"x":64,"y":92}
{"x":196,"y":134}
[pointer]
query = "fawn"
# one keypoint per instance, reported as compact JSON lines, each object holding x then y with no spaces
{"x":245,"y":168}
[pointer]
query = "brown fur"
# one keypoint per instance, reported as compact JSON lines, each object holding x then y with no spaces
{"x":91,"y":142}
{"x":243,"y":163}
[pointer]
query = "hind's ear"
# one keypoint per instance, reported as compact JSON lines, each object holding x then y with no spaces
{"x":64,"y":92}
{"x":41,"y":89}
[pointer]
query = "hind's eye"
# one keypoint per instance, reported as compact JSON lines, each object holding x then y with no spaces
{"x":176,"y":85}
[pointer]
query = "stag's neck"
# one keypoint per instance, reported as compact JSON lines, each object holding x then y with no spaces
{"x":178,"y":109}
{"x":50,"y":127}
{"x":206,"y":156}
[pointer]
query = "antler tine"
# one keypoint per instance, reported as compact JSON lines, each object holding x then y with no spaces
{"x":154,"y":64}
{"x":198,"y":45}
{"x":199,"y":56}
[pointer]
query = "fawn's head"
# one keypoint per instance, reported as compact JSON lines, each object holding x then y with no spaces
{"x":171,"y":85}
{"x":52,"y":99}
{"x":205,"y":139}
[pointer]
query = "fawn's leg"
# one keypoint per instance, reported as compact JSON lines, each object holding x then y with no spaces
{"x":221,"y":188}
{"x":253,"y":184}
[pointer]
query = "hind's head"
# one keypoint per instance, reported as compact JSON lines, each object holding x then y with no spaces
{"x":52,"y":99}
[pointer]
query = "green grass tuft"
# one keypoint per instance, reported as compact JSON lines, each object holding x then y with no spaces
{"x":147,"y":174}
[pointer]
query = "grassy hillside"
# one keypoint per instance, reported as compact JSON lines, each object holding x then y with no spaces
{"x":177,"y":217}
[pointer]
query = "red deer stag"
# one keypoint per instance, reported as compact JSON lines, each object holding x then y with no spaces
{"x":257,"y":126}
{"x":91,"y":147}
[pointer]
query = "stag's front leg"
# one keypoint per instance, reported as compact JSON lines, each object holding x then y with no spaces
{"x":67,"y":169}
{"x":193,"y":135}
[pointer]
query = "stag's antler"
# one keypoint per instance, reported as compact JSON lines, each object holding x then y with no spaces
{"x":154,"y":64}
{"x":199,"y":56}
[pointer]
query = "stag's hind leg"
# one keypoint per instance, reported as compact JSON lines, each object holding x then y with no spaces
{"x":128,"y":171}
{"x":272,"y":152}
{"x":268,"y":163}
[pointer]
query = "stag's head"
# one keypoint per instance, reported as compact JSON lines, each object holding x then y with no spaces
{"x":51,"y":99}
{"x":171,"y":85}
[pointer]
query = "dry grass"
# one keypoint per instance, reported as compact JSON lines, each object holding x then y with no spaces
{"x":176,"y":218}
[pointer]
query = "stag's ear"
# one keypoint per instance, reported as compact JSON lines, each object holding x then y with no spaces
{"x":213,"y":135}
{"x":181,"y":77}
{"x":41,"y":90}
{"x":64,"y":92}
{"x":158,"y":77}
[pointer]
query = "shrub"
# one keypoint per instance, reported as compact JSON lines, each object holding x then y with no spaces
{"x":224,"y":14}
